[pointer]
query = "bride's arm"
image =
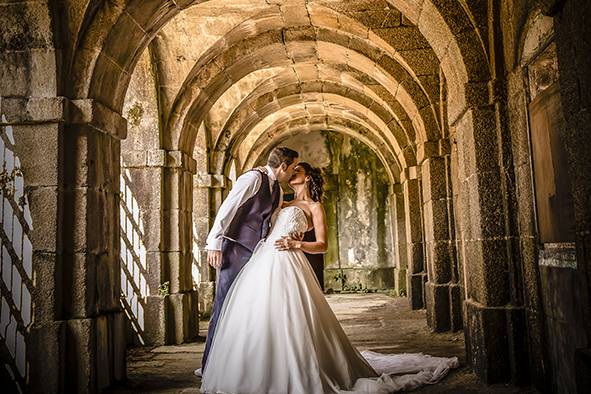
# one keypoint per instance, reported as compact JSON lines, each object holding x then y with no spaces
{"x":319,"y":221}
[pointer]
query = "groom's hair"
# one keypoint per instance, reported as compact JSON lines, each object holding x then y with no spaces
{"x":280,"y":155}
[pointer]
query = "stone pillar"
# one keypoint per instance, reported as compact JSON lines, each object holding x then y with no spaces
{"x":400,"y":247}
{"x":416,"y":275}
{"x":141,"y":223}
{"x":204,"y":186}
{"x":495,"y":320}
{"x":31,"y":130}
{"x":176,"y":248}
{"x":88,"y":229}
{"x":443,"y":300}
{"x":159,"y":296}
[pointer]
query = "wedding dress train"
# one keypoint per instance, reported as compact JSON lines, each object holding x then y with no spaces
{"x":277,"y":334}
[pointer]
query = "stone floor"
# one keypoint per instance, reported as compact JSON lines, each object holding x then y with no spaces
{"x":372,"y":321}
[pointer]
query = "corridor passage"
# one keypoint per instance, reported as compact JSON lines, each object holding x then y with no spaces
{"x":373,"y":321}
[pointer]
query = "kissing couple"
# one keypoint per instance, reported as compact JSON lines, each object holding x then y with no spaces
{"x":271,"y":329}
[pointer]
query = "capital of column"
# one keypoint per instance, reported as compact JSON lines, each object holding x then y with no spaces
{"x":32,"y":110}
{"x":213,"y":181}
{"x":94,"y":114}
{"x":409,"y":173}
{"x":39,"y":110}
{"x":159,"y":158}
{"x":429,"y":149}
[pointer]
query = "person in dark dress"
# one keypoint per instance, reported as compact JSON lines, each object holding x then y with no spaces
{"x":316,"y":260}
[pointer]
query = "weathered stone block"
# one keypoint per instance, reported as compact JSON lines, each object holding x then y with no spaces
{"x":456,"y":310}
{"x":437,"y":303}
{"x":497,"y":349}
{"x":206,"y":290}
{"x":405,"y":37}
{"x":81,"y":357}
{"x":175,"y":264}
{"x":152,"y":224}
{"x":103,"y":353}
{"x":178,"y":317}
{"x":43,"y":204}
{"x":488,"y":281}
{"x":118,"y":345}
{"x":133,"y":158}
{"x":29,"y":73}
{"x":156,"y":312}
{"x":79,"y":285}
{"x":486,"y":205}
{"x":108,"y":287}
{"x":47,"y":292}
{"x":46,"y":357}
{"x":415,"y":257}
{"x":416,"y":290}
{"x":172,"y":236}
{"x":154,"y":275}
{"x":37,"y":148}
{"x":440,"y":261}
{"x":400,"y":281}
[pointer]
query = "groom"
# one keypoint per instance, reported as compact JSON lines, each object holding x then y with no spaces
{"x":243,"y":219}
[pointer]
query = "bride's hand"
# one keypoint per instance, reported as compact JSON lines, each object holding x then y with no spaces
{"x":287,"y":243}
{"x":297,"y":236}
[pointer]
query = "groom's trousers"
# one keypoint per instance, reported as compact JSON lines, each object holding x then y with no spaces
{"x":234,"y":257}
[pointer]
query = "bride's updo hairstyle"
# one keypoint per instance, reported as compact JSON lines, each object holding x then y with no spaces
{"x":316,"y":182}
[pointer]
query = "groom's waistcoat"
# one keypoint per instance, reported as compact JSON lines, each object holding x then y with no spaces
{"x":252,"y":219}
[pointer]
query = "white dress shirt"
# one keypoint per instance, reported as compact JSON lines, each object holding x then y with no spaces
{"x":246,"y":186}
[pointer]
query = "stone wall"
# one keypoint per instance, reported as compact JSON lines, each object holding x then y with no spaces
{"x":360,"y":254}
{"x":555,"y":282}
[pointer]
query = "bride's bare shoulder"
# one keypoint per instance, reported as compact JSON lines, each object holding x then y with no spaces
{"x":316,"y":207}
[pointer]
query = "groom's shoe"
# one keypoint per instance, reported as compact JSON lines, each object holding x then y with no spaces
{"x":198,"y":372}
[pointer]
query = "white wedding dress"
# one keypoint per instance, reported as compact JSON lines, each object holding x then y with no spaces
{"x":277,"y":334}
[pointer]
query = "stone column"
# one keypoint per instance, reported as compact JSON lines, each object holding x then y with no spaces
{"x":31,"y":130}
{"x":400,"y":247}
{"x":443,"y":300}
{"x":416,"y":275}
{"x":204,"y":186}
{"x":495,"y":320}
{"x":88,"y":229}
{"x":176,"y":247}
{"x":141,"y":223}
{"x":156,"y":271}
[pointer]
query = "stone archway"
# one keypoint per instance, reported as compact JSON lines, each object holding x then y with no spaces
{"x":454,"y":185}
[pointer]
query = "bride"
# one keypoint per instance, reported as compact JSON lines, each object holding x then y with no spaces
{"x":276,"y":332}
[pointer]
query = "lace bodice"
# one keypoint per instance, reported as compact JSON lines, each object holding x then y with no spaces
{"x":290,"y":219}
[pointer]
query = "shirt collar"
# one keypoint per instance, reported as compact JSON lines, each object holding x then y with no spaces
{"x":270,"y":173}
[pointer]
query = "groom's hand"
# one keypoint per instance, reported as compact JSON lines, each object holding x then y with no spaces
{"x":214,"y":258}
